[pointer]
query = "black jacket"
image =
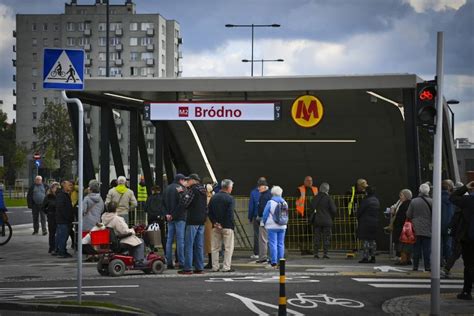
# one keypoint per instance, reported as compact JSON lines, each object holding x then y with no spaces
{"x":262,"y":202}
{"x":221,"y":209}
{"x":49,"y":205}
{"x":171,"y":203}
{"x":326,"y":210}
{"x":399,"y":220}
{"x":368,"y":218}
{"x":154,"y":206}
{"x":64,"y":209}
{"x":194,"y":200}
{"x":465,"y":227}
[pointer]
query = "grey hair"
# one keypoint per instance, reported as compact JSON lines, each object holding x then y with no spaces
{"x":406,"y":193}
{"x":324,"y":187}
{"x":458,"y":185}
{"x":227,"y":183}
{"x":39,"y":177}
{"x":121,"y":180}
{"x":424,"y":189}
{"x":276,"y":190}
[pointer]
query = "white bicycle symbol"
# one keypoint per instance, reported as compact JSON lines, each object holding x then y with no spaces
{"x":304,"y":300}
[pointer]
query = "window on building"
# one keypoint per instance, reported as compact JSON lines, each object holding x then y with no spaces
{"x":134,"y":71}
{"x":115,"y":26}
{"x":176,"y":32}
{"x":134,"y":56}
{"x":45,"y":101}
{"x":102,"y":56}
{"x":87,"y":25}
{"x":144,"y":41}
{"x":34,"y":130}
{"x":45,"y":26}
{"x":35,"y":57}
{"x":34,"y":115}
{"x":113,"y":11}
{"x":115,"y":55}
{"x":70,"y":41}
{"x":115,"y":41}
{"x":115,"y":71}
{"x":33,"y":101}
{"x":146,"y":25}
{"x":102,"y":41}
{"x":163,"y":30}
{"x":163,"y":59}
{"x":33,"y":26}
{"x":101,"y":72}
{"x":81,"y":26}
{"x":133,"y":41}
{"x":34,"y":72}
{"x":70,"y":26}
{"x":56,"y":42}
{"x":33,"y":86}
{"x":87,"y":71}
{"x":146,"y":56}
{"x":102,"y":27}
{"x":34,"y":41}
{"x":147,"y":71}
{"x":163,"y":73}
{"x":133,"y":26}
{"x":163,"y":44}
{"x":56,"y":26}
{"x":45,"y":42}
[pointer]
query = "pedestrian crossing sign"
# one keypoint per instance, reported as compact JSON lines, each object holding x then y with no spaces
{"x":63,"y":69}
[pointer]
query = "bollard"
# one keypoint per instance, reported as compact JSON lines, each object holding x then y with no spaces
{"x":282,"y":299}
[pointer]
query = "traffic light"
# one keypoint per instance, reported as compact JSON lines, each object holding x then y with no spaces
{"x":426,"y":104}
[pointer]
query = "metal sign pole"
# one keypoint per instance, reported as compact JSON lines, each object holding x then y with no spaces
{"x":80,"y":164}
{"x":437,"y":160}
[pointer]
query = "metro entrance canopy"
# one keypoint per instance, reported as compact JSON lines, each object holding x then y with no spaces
{"x":367,"y":131}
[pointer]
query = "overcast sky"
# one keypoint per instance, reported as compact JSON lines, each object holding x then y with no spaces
{"x":316,"y":37}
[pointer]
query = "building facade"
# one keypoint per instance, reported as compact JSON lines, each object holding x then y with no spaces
{"x":465,"y":156}
{"x":140,"y":45}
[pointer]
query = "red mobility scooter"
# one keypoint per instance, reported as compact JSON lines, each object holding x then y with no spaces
{"x":114,"y":260}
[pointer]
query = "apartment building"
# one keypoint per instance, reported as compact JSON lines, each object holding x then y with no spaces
{"x":140,"y":45}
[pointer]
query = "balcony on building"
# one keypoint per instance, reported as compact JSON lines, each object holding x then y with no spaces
{"x":150,"y":61}
{"x":150,"y":137}
{"x":119,"y":47}
{"x":87,"y":120}
{"x":14,"y":33}
{"x":119,"y":62}
{"x":88,"y":62}
{"x":14,"y":92}
{"x":150,"y":47}
{"x":119,"y":136}
{"x":14,"y":78}
{"x":150,"y":32}
{"x":14,"y":62}
{"x":87,"y":47}
{"x":180,"y":40}
{"x":180,"y":54}
{"x":14,"y":48}
{"x":87,"y":32}
{"x":118,"y":32}
{"x":150,"y":151}
{"x":118,"y":121}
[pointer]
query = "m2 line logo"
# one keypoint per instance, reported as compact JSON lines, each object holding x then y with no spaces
{"x":183,"y":111}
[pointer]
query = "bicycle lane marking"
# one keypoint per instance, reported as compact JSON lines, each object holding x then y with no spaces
{"x":252,"y":305}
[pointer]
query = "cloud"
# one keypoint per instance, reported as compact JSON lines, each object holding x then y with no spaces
{"x":436,"y":5}
{"x":464,"y":130}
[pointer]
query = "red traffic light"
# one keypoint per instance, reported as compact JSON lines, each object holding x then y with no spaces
{"x":37,"y":156}
{"x":427,"y":94}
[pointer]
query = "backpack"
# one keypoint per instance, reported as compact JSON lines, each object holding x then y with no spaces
{"x":280,"y":215}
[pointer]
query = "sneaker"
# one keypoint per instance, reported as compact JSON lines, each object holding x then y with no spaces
{"x":186,"y":272}
{"x":262,"y":261}
{"x":66,"y":255}
{"x":230,"y":270}
{"x":254,"y":257}
{"x":35,"y":233}
{"x":326,"y":257}
{"x":45,"y":233}
{"x":465,"y":296}
{"x":198,"y":272}
{"x":215,"y":270}
{"x":364,"y":260}
{"x":415,"y":269}
{"x":54,"y":253}
{"x":208,"y":266}
{"x":427,"y":269}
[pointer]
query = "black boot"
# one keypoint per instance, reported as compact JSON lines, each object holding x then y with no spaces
{"x":372,"y":259}
{"x":209,"y":264}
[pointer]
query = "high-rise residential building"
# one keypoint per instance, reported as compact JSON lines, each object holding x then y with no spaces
{"x":140,"y":45}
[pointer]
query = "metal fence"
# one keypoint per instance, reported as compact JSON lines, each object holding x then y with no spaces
{"x":299,"y":235}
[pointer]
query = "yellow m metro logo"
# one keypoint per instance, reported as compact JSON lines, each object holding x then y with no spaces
{"x":307,"y":111}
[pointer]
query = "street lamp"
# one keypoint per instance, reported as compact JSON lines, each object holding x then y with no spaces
{"x":452,"y":101}
{"x":252,"y":26}
{"x":263,"y":61}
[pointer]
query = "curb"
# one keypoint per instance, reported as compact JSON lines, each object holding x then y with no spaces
{"x":62,"y":308}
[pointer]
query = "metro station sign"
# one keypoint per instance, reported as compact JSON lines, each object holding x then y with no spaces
{"x":212,"y":111}
{"x":307,"y":111}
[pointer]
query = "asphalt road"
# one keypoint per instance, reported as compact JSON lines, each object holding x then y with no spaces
{"x":19,"y":215}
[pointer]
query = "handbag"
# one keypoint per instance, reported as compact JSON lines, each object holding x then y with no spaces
{"x":408,"y":236}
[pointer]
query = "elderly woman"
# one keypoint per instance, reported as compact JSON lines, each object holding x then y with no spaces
{"x":49,"y":208}
{"x":93,"y":206}
{"x":276,"y":231}
{"x":112,"y":220}
{"x":399,"y":219}
{"x":367,"y":218}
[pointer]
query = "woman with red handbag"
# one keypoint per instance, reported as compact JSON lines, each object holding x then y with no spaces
{"x":402,"y":242}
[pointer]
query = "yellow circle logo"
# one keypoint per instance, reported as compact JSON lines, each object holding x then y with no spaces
{"x":307,"y":111}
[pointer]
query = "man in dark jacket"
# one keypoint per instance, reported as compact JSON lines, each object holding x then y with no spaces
{"x":221,"y":214}
{"x":265,"y":196}
{"x":64,"y":218}
{"x":367,"y":218}
{"x":466,"y":231}
{"x":323,"y":210}
{"x":253,"y":214}
{"x":175,"y":214}
{"x":194,"y":199}
{"x":154,"y":210}
{"x":35,"y":198}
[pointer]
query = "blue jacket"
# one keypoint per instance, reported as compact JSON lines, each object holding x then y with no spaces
{"x":446,"y":212}
{"x":2,"y":201}
{"x":253,"y":203}
{"x":266,"y":212}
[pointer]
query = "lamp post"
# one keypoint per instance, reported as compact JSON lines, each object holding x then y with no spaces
{"x":452,"y":113}
{"x":262,"y":61}
{"x":252,"y":26}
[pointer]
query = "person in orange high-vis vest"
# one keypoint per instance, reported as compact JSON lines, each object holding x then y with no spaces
{"x":303,"y":229}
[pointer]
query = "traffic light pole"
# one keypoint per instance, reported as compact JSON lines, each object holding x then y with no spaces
{"x":80,"y":165}
{"x":437,"y":164}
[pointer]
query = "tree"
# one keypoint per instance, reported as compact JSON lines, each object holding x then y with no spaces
{"x":8,"y":149}
{"x":48,"y":161}
{"x":55,"y":131}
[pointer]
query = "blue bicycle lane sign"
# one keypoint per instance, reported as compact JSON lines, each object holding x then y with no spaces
{"x":63,"y":69}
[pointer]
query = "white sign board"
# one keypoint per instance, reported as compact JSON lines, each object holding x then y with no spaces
{"x":212,"y":111}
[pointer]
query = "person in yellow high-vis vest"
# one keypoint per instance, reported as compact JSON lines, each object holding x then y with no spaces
{"x":354,"y":194}
{"x":141,"y":194}
{"x":303,"y":228}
